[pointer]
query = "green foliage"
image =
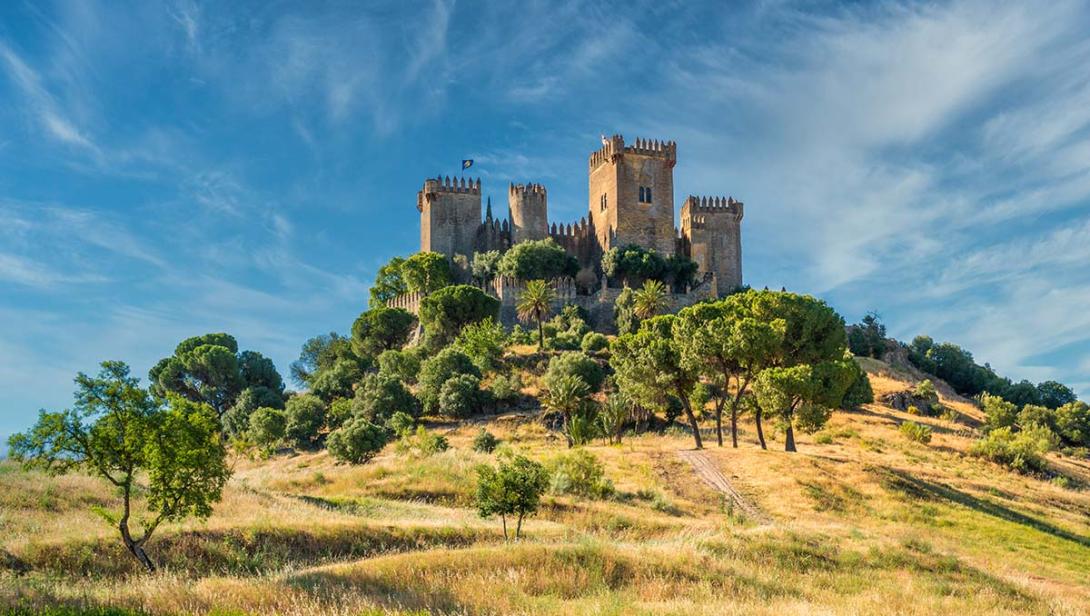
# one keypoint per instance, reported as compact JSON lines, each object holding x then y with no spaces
{"x":537,"y":259}
{"x":1054,"y":395}
{"x":306,"y":417}
{"x":804,"y":394}
{"x":925,"y":390}
{"x":506,"y":388}
{"x":533,"y":305}
{"x":1073,"y":423}
{"x":268,"y":426}
{"x":633,"y":264}
{"x":566,"y":395}
{"x":437,"y":370}
{"x":624,"y":312}
{"x":485,"y":442}
{"x":915,"y":432}
{"x":460,"y":396}
{"x":381,"y":329}
{"x":613,"y":416}
{"x":426,"y":272}
{"x":578,"y":364}
{"x":868,"y":337}
{"x":339,"y":412}
{"x":583,"y":424}
{"x":593,"y":342}
{"x":484,"y":343}
{"x":401,"y":423}
{"x":519,"y":335}
{"x":485,"y":266}
{"x":320,"y":353}
{"x":999,"y":412}
{"x":237,"y":420}
{"x":650,"y":299}
{"x":860,"y":391}
{"x":117,"y":431}
{"x":389,"y":283}
{"x":379,"y":396}
{"x":400,"y":364}
{"x":445,"y":312}
{"x":357,"y":441}
{"x":1033,"y":414}
{"x":1022,"y":451}
{"x":513,"y":488}
{"x":579,"y":473}
{"x":422,"y":444}
{"x":337,"y":381}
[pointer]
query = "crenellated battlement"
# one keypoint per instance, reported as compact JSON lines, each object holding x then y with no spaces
{"x":522,"y":189}
{"x":615,"y":146}
{"x":452,"y":185}
{"x":712,"y":205}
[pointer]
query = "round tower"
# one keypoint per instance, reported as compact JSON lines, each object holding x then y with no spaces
{"x":529,"y":212}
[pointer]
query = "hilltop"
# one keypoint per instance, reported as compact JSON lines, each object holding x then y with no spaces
{"x":860,"y":520}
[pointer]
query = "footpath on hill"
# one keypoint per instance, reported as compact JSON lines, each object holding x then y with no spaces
{"x":719,"y":482}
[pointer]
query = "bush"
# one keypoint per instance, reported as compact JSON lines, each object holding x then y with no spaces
{"x":421,"y":444}
{"x":513,"y":488}
{"x":564,"y":341}
{"x":537,"y":260}
{"x":379,"y":396}
{"x":485,"y":442}
{"x":1073,"y":423}
{"x":1032,"y":414}
{"x":445,"y":312}
{"x":340,"y":411}
{"x":578,"y":364}
{"x":460,"y":396}
{"x":437,"y":370}
{"x":305,"y":419}
{"x":583,"y":425}
{"x":337,"y":381}
{"x":357,"y":441}
{"x":506,"y":388}
{"x":859,"y":392}
{"x":237,"y":419}
{"x":1000,"y":413}
{"x":1021,"y":451}
{"x":267,"y":426}
{"x":925,"y":390}
{"x":594,"y":342}
{"x":519,"y":335}
{"x":918,"y":433}
{"x":483,"y":342}
{"x":402,"y":365}
{"x":579,"y":473}
{"x":913,"y":410}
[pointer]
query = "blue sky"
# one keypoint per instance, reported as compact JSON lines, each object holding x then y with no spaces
{"x":168,"y":169}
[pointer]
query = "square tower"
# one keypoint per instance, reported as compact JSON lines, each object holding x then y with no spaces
{"x":711,"y":231}
{"x":632,"y":194}
{"x":450,"y":214}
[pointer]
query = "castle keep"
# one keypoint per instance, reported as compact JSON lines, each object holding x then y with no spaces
{"x":630,"y":202}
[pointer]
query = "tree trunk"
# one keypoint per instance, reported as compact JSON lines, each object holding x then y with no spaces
{"x":742,"y":386}
{"x":567,"y":430}
{"x":760,"y":432}
{"x":540,"y":335}
{"x":692,"y":418}
{"x":518,"y":528}
{"x":719,"y":425}
{"x":135,"y":548}
{"x":503,"y":520}
{"x":790,"y":444}
{"x":734,"y":426}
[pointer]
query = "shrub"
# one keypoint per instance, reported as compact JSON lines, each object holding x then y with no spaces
{"x":859,"y":392}
{"x":613,"y":416}
{"x":578,"y":364}
{"x":402,"y":365}
{"x":564,"y":341}
{"x":460,"y":396}
{"x":485,"y":442}
{"x":1022,"y":451}
{"x":337,"y":381}
{"x":537,"y":260}
{"x":401,"y":423}
{"x":267,"y":426}
{"x":1032,"y":414}
{"x":579,"y":473}
{"x":513,"y":488}
{"x":913,"y":409}
{"x":445,"y":312}
{"x":506,"y":388}
{"x":421,"y":444}
{"x":379,"y":396}
{"x":594,"y":342}
{"x":1000,"y":413}
{"x":237,"y":419}
{"x":925,"y":390}
{"x":915,"y":432}
{"x":357,"y":441}
{"x":519,"y":335}
{"x":305,"y":419}
{"x":583,"y":424}
{"x":483,"y":342}
{"x":1073,"y":423}
{"x":437,"y":370}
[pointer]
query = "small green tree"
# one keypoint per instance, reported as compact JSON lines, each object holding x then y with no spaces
{"x":868,"y":337}
{"x":578,"y":364}
{"x":400,"y":364}
{"x":803,"y":394}
{"x":445,"y":312}
{"x":999,"y":412}
{"x":537,"y":259}
{"x":566,"y":395}
{"x":267,"y":426}
{"x":613,"y":416}
{"x":483,"y":342}
{"x":426,"y":272}
{"x":534,"y":304}
{"x":319,"y":354}
{"x":379,"y":396}
{"x":338,"y":381}
{"x":118,"y":432}
{"x":306,"y":418}
{"x":1073,"y":423}
{"x":513,"y":488}
{"x":651,"y":299}
{"x":381,"y":329}
{"x":357,"y":441}
{"x":624,"y":312}
{"x":593,"y":342}
{"x":579,"y":473}
{"x":485,"y":266}
{"x":389,"y":283}
{"x":437,"y":370}
{"x":460,"y":396}
{"x":485,"y":441}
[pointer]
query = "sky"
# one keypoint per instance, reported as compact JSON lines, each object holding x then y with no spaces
{"x":174,"y":168}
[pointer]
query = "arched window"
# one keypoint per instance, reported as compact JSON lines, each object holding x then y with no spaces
{"x":648,"y":194}
{"x":641,"y":194}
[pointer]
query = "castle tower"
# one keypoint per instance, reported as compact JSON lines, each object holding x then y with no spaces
{"x":632,"y":194}
{"x":529,"y":212}
{"x":711,"y":230}
{"x":450,"y":215}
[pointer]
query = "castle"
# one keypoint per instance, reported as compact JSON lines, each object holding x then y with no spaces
{"x":630,"y":202}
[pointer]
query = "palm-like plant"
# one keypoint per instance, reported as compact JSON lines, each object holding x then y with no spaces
{"x":566,"y":396}
{"x":650,"y":300}
{"x":534,"y":304}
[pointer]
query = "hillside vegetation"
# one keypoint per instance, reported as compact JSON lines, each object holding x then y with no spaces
{"x":860,"y":520}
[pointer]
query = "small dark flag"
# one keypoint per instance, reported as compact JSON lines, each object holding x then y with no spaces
{"x":467,"y":163}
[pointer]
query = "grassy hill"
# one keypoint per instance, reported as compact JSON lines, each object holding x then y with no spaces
{"x":861,"y":520}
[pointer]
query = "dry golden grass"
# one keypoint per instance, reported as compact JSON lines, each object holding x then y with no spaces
{"x":864,"y":521}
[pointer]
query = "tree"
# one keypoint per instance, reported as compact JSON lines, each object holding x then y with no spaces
{"x":633,"y":264}
{"x":624,"y":312}
{"x":534,"y":304}
{"x":437,"y":370}
{"x":537,"y":259}
{"x":999,"y":413}
{"x":868,"y":337}
{"x":267,"y":426}
{"x":1073,"y":423}
{"x":381,"y":329}
{"x":483,"y":342}
{"x":379,"y":396}
{"x":650,"y":299}
{"x":426,"y":272}
{"x":320,"y":353}
{"x":389,"y":283}
{"x":445,"y":312}
{"x":337,"y":381}
{"x":804,"y":393}
{"x":120,"y":433}
{"x":514,"y":487}
{"x":485,"y":266}
{"x":357,"y":441}
{"x":306,"y":417}
{"x":237,"y":420}
{"x":566,"y":395}
{"x":1054,"y":394}
{"x":460,"y":396}
{"x":648,"y":365}
{"x":578,"y":364}
{"x":613,"y":416}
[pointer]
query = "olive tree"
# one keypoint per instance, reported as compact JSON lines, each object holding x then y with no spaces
{"x":170,"y":453}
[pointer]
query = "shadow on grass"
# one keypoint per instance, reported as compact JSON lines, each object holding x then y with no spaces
{"x":914,"y":487}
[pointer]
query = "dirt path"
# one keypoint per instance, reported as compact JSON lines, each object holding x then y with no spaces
{"x":719,"y":482}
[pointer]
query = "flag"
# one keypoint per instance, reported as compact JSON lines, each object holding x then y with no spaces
{"x":467,"y":163}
